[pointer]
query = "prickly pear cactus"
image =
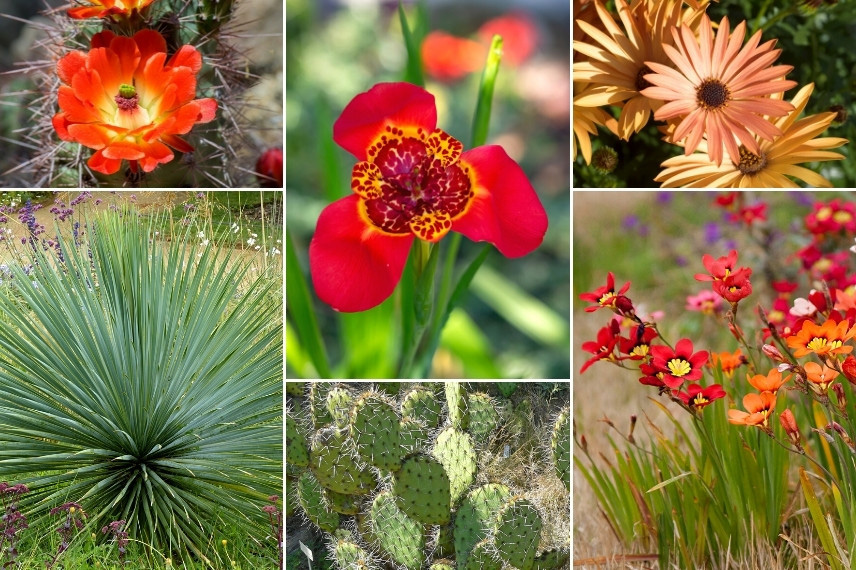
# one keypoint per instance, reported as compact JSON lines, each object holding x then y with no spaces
{"x":403,"y":477}
{"x":560,"y":445}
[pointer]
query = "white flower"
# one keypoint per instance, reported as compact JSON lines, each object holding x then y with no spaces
{"x":206,"y":242}
{"x":853,"y":248}
{"x":802,"y":308}
{"x":251,"y":241}
{"x":274,"y":251}
{"x":201,"y":235}
{"x":258,"y":247}
{"x":235,"y":228}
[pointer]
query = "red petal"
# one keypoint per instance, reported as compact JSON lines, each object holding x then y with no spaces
{"x":104,"y":165}
{"x":93,"y":136}
{"x":69,"y":64}
{"x":102,"y":39}
{"x":354,"y":265}
{"x":177,"y":143}
{"x":186,"y":56}
{"x":506,"y":210}
{"x":150,"y":42}
{"x":368,"y":114}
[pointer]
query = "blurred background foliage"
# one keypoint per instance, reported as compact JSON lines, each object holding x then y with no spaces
{"x":516,"y":318}
{"x":817,"y":42}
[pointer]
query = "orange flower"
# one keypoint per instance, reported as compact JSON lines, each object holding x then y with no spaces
{"x":718,"y":89}
{"x":828,"y":338}
{"x":759,"y":407}
{"x":819,"y":377}
{"x":769,"y":383}
{"x":125,"y":100}
{"x":727,"y":361}
{"x":104,"y":8}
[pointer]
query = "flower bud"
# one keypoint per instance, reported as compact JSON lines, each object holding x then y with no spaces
{"x":773,"y":353}
{"x":789,"y":423}
{"x":840,"y":397}
{"x":848,"y":367}
{"x":605,"y":159}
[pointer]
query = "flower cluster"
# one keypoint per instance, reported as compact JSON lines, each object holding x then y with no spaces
{"x":11,"y":521}
{"x":124,"y":98}
{"x":117,"y":529}
{"x":674,"y":371}
{"x":73,"y":522}
{"x":730,"y":283}
{"x":719,"y":98}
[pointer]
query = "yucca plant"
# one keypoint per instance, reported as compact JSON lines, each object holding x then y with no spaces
{"x":143,"y":380}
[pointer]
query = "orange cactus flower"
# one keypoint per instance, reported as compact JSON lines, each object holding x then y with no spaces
{"x":769,"y":383}
{"x":819,"y":377}
{"x":828,"y":338}
{"x":105,"y":8}
{"x":127,"y":102}
{"x":759,"y":408}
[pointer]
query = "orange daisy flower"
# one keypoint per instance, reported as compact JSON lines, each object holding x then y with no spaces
{"x":819,"y":377}
{"x":105,"y":8}
{"x":758,"y":406}
{"x":774,"y":166}
{"x":828,"y":338}
{"x":720,"y":89}
{"x":123,"y":100}
{"x":769,"y":383}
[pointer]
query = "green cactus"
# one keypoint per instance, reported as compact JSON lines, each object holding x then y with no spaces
{"x":482,"y":558}
{"x":332,"y":458}
{"x":483,"y":416}
{"x":314,"y":504}
{"x":553,"y":558}
{"x":338,"y":403}
{"x":474,"y":516}
{"x":421,"y":490}
{"x":318,"y":404}
{"x":455,"y":450}
{"x":422,"y":512}
{"x":295,"y":388}
{"x":560,"y":445}
{"x":414,"y":436}
{"x":296,"y":449}
{"x":420,"y":404}
{"x":456,"y":398}
{"x":349,"y":556}
{"x":396,"y":534}
{"x":516,"y":532}
{"x":375,"y":431}
{"x":343,"y":504}
{"x":507,"y":388}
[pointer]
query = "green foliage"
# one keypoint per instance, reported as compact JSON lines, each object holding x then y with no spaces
{"x":560,"y":446}
{"x":144,"y":382}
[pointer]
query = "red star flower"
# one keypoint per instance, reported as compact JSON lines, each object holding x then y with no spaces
{"x":604,"y":347}
{"x":105,"y":8}
{"x":606,"y":296}
{"x":125,"y":100}
{"x":735,"y":286}
{"x":717,"y":268}
{"x":412,"y":180}
{"x":699,"y":397}
{"x":679,"y":365}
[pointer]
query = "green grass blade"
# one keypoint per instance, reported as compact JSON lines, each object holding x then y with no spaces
{"x":481,"y":119}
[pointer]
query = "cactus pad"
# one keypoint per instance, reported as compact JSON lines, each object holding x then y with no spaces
{"x":333,"y":460}
{"x":454,"y":449}
{"x":561,"y":447}
{"x":421,"y":490}
{"x":318,"y":404}
{"x":443,"y":564}
{"x":413,"y":436}
{"x":374,"y":429}
{"x":483,"y":416}
{"x":296,"y":449}
{"x":338,"y":404}
{"x":341,"y":503}
{"x":516,"y":532}
{"x":314,"y":504}
{"x":552,"y":559}
{"x":421,"y":405}
{"x":474,"y":516}
{"x":349,"y":556}
{"x":295,"y":388}
{"x":396,"y":534}
{"x":456,"y":398}
{"x":507,"y":388}
{"x":482,"y":558}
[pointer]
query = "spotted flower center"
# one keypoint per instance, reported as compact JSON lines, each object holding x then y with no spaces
{"x":712,"y":94}
{"x":413,"y":183}
{"x":751,"y":163}
{"x":679,"y":367}
{"x":822,"y":344}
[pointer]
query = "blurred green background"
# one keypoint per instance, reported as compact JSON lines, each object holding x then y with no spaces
{"x":819,"y":46}
{"x":335,"y":51}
